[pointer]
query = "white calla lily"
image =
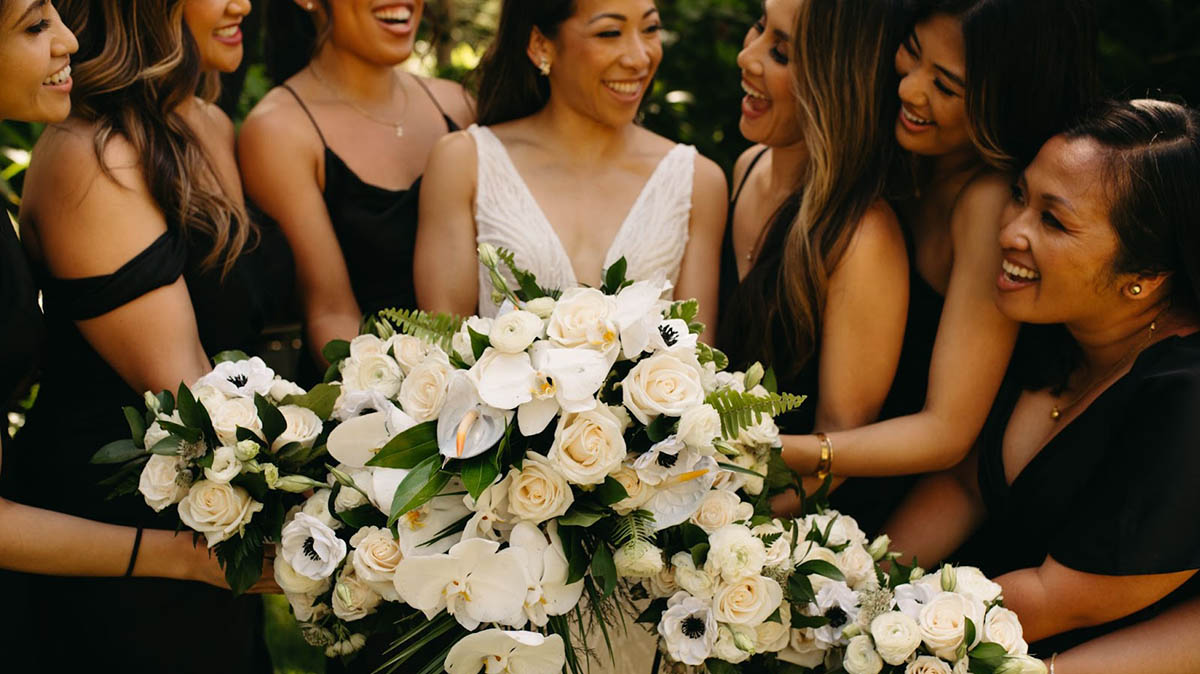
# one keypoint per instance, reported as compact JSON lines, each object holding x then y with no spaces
{"x":475,"y":582}
{"x":468,"y":427}
{"x":357,"y":441}
{"x":682,"y":491}
{"x":498,"y":651}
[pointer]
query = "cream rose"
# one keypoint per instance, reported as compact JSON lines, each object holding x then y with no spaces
{"x":375,"y":557}
{"x":858,"y":566}
{"x":225,"y":465}
{"x":662,"y":584}
{"x":282,"y":388}
{"x":638,"y":559}
{"x":943,"y":622}
{"x":423,"y":391}
{"x":697,"y":582}
{"x":720,"y":508}
{"x":861,"y":657}
{"x":228,"y":415}
{"x":366,"y":345}
{"x":661,"y":384}
{"x":1001,"y":626}
{"x":217,"y":510}
{"x":538,"y":492}
{"x":410,"y":352}
{"x":160,"y":482}
{"x":584,"y":318}
{"x":771,"y":636}
{"x":896,"y":636}
{"x":293,"y":583}
{"x":748,"y":601}
{"x":542,"y":307}
{"x":735,"y":553}
{"x":514,"y":331}
{"x":588,"y":445}
{"x":926,"y":664}
{"x":303,"y":427}
{"x":353,"y":598}
{"x":698,"y":427}
{"x":637,"y":491}
{"x":374,"y":372}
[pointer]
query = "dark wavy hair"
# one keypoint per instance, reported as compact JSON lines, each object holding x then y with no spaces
{"x":291,"y":38}
{"x":510,"y":86}
{"x":1031,"y":70}
{"x":136,"y":64}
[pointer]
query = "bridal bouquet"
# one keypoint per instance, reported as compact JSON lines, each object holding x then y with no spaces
{"x":503,"y":484}
{"x":230,"y":453}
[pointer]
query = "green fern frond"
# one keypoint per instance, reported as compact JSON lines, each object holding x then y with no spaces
{"x":637,"y":525}
{"x":740,"y":410}
{"x":526,"y":280}
{"x":436,"y":329}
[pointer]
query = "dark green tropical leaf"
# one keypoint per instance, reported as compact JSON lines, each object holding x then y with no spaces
{"x":320,"y":399}
{"x":273,"y":423}
{"x":338,"y":349}
{"x":410,"y":448}
{"x":118,"y":451}
{"x":137,"y":425}
{"x":820,"y":568}
{"x":610,"y":492}
{"x":421,"y":484}
{"x":478,"y":473}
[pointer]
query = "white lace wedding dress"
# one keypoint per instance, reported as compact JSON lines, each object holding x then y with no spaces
{"x":652,"y":239}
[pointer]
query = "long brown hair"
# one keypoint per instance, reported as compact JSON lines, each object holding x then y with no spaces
{"x":137,"y":63}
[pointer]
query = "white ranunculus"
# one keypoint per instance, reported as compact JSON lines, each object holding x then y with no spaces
{"x":896,"y":635}
{"x":661,"y":384}
{"x":241,"y":378}
{"x":349,"y":498}
{"x":662,"y":584}
{"x":835,"y":597}
{"x":504,"y":380}
{"x":282,"y":388}
{"x":538,"y":491}
{"x":410,"y":352}
{"x":542,"y":307}
{"x":303,"y":427}
{"x":803,"y":650}
{"x":466,"y":426}
{"x":507,"y":651}
{"x":688,"y":628}
{"x":858,"y":567}
{"x":461,"y":342}
{"x":293,"y":583}
{"x":943,"y":622}
{"x":228,"y":415}
{"x":585,"y":318}
{"x":423,"y":391}
{"x":699,"y":426}
{"x":588,"y":445}
{"x":735,"y":553}
{"x":771,"y":636}
{"x":514,"y":331}
{"x":727,"y":648}
{"x":217,"y":510}
{"x":927,"y":664}
{"x":475,"y":582}
{"x":225,"y":466}
{"x":353,"y":598}
{"x":311,"y":547}
{"x":366,"y":345}
{"x":861,"y":657}
{"x":160,"y":482}
{"x":720,"y":508}
{"x":373,"y":372}
{"x":375,"y":557}
{"x":638,"y":559}
{"x":1001,"y":626}
{"x":748,"y":601}
{"x":637,"y":492}
{"x":698,"y":582}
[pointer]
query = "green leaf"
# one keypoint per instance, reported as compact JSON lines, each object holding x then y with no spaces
{"x":181,"y":431}
{"x":409,"y":449}
{"x":338,"y":349}
{"x":273,"y":423}
{"x":614,"y":277}
{"x":820,"y":568}
{"x":137,"y":425}
{"x":988,"y":652}
{"x":168,"y":446}
{"x":118,"y":451}
{"x":969,"y":632}
{"x":166,"y":402}
{"x":653,"y":613}
{"x":715,"y":666}
{"x":686,"y":310}
{"x":577,"y":558}
{"x":193,"y":414}
{"x":769,"y":382}
{"x":740,"y":410}
{"x":243,"y":434}
{"x":707,"y":354}
{"x":320,"y":399}
{"x":478,"y":473}
{"x":365,"y":515}
{"x":738,"y":469}
{"x":801,"y":621}
{"x":242,"y":558}
{"x":604,"y":569}
{"x":229,"y":357}
{"x":577,"y":517}
{"x":660,"y":428}
{"x":610,"y":492}
{"x":421,"y":484}
{"x":479,"y":342}
{"x":700,"y":554}
{"x":800,"y":589}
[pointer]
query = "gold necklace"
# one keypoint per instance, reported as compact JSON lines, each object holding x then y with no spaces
{"x":1057,"y":412}
{"x":398,"y":125}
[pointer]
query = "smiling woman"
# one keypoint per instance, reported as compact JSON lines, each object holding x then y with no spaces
{"x":37,"y":54}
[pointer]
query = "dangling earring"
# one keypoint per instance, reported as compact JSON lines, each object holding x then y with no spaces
{"x":544,"y":67}
{"x":1135,"y":289}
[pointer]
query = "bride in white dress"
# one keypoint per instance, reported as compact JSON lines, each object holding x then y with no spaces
{"x":558,"y":173}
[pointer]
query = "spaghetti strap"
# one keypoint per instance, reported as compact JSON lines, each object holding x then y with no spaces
{"x":306,"y":111}
{"x":746,"y":176}
{"x":450,"y":124}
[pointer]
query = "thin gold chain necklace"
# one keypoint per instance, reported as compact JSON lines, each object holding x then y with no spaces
{"x":397,"y":125}
{"x":1057,"y":412}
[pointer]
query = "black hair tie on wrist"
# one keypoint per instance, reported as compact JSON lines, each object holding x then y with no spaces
{"x":137,"y":543}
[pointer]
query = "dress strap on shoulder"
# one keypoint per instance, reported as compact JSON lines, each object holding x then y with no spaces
{"x":450,"y":123}
{"x":304,"y":107}
{"x":746,"y":176}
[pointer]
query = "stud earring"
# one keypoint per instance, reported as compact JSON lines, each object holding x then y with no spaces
{"x":544,"y":67}
{"x":1135,"y":289}
{"x":309,"y":7}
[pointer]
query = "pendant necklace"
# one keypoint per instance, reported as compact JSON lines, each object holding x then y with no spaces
{"x":397,"y":125}
{"x":1057,"y":412}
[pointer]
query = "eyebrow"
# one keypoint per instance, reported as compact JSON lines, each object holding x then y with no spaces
{"x":30,"y":10}
{"x":1054,"y":199}
{"x":951,"y":76}
{"x":619,"y":17}
{"x":782,"y":36}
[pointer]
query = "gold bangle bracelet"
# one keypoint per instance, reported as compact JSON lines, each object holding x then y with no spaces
{"x":825,"y":464}
{"x":1052,"y":659}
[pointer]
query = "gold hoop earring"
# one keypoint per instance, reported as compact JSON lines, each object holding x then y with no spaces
{"x":1135,"y":289}
{"x":544,"y":67}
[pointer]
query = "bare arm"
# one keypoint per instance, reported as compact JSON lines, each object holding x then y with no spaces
{"x":710,"y":200}
{"x":974,"y":343}
{"x":279,"y":155}
{"x":1164,"y":644}
{"x":445,"y":270}
{"x":940,"y":512}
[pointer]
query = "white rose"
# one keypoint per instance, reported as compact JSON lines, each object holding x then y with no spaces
{"x":410,"y":352}
{"x":803,"y":650}
{"x":375,"y":557}
{"x":771,"y":636}
{"x":588,"y":445}
{"x":779,"y":552}
{"x":353,"y":598}
{"x":423,"y":391}
{"x":896,"y":636}
{"x":282,"y":388}
{"x":943,"y":621}
{"x":696,"y":582}
{"x":542,"y":307}
{"x":763,"y":433}
{"x":971,"y":582}
{"x":160,"y":481}
{"x":735,"y":553}
{"x":293,"y":583}
{"x":861,"y":657}
{"x":584,"y":318}
{"x":844,"y":530}
{"x":303,"y":426}
{"x":637,"y":491}
{"x":225,"y":466}
{"x":926,"y":664}
{"x":375,"y":372}
{"x":366,"y":345}
{"x":727,"y":648}
{"x":858,"y":566}
{"x":461,"y":342}
{"x":217,"y":510}
{"x":638,"y":559}
{"x":514,"y":331}
{"x":698,"y":426}
{"x":312,"y":548}
{"x":662,"y":584}
{"x":538,"y":491}
{"x":155,"y":433}
{"x":720,"y":508}
{"x":228,"y":415}
{"x":317,"y":506}
{"x":661,"y":384}
{"x":1001,"y":626}
{"x":748,"y":601}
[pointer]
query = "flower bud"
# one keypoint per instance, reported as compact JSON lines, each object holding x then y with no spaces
{"x":879,"y":547}
{"x":949,"y":578}
{"x":917,"y":574}
{"x":246,"y":450}
{"x":744,"y":640}
{"x":488,"y":256}
{"x":294,"y":484}
{"x":271,"y":474}
{"x":152,"y":403}
{"x":542,"y":307}
{"x":852,"y":630}
{"x":754,"y":375}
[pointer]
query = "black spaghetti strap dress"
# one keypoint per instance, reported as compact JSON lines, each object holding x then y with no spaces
{"x":125,"y":624}
{"x":376,"y":229}
{"x":21,"y":339}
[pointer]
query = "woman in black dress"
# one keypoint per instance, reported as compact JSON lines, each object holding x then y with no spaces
{"x":1084,"y":478}
{"x":335,"y":154}
{"x":134,"y":218}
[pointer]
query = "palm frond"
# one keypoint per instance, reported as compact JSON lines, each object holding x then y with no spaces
{"x":740,"y":410}
{"x":437,"y":329}
{"x":637,"y":525}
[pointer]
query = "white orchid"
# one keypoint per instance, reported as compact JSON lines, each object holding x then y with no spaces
{"x":503,"y":380}
{"x":468,"y":427}
{"x":497,"y":651}
{"x":639,"y":311}
{"x":492,"y":519}
{"x":475,"y":582}
{"x":565,"y":380}
{"x":548,"y":592}
{"x":418,"y":527}
{"x":358,"y":440}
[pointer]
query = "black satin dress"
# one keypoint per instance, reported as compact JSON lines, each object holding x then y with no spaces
{"x":1114,"y":493}
{"x":119,"y":624}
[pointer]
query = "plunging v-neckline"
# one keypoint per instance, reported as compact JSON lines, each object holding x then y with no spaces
{"x":549,"y":227}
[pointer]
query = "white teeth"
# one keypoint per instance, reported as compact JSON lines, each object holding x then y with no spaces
{"x":227,"y":31}
{"x":624,"y":87}
{"x":913,"y":118}
{"x":1018,"y":271}
{"x":398,"y":14}
{"x":752,"y":93}
{"x":60,"y":77}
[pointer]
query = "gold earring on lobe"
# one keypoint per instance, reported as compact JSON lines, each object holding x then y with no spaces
{"x":308,"y":6}
{"x":1135,"y":289}
{"x":544,"y":67}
